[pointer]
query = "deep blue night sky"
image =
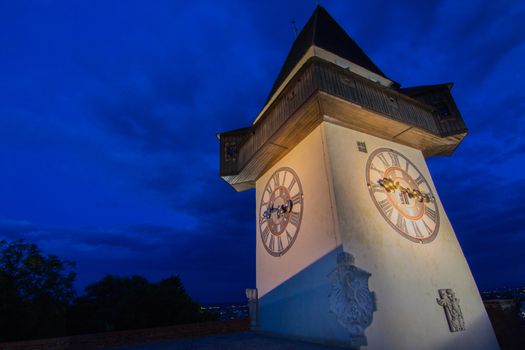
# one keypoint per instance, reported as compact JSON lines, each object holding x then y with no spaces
{"x":109,"y":110}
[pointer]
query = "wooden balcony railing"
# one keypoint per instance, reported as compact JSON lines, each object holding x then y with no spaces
{"x":238,"y":147}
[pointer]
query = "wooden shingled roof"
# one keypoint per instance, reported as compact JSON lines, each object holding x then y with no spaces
{"x":323,"y":31}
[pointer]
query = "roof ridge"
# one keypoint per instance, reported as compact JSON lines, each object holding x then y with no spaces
{"x":316,"y":12}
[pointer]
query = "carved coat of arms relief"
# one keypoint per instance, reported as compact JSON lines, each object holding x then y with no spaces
{"x":352,"y":303}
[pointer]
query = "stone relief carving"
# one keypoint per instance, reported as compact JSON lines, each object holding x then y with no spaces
{"x":253,"y":308}
{"x":350,"y":299}
{"x":447,"y":299}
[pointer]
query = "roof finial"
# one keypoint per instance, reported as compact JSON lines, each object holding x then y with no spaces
{"x":294,"y":28}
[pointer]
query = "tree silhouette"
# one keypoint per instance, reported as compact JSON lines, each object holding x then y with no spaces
{"x":35,"y":292}
{"x":37,"y":299}
{"x":119,"y":303}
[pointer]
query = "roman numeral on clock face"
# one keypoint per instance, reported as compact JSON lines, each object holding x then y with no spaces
{"x":420,"y":180}
{"x":417,"y":231}
{"x":377,"y":188}
{"x":386,"y":207}
{"x":430,"y":213}
{"x":265,"y":234}
{"x":292,"y":183}
{"x":395,"y":159}
{"x":276,"y":179}
{"x":429,"y":230}
{"x":296,"y":199}
{"x":383,"y":160}
{"x":294,"y":218}
{"x":279,"y":244}
{"x":401,"y":223}
{"x":380,"y":172}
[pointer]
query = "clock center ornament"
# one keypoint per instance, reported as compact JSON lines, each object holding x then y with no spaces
{"x":402,"y":195}
{"x":281,"y":211}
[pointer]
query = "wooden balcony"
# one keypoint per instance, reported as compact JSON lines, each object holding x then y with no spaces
{"x":322,"y":91}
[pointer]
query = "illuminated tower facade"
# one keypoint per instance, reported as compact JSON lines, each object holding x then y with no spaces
{"x":353,"y":244}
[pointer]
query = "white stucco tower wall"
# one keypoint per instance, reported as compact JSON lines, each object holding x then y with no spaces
{"x":296,"y":290}
{"x":405,"y":275}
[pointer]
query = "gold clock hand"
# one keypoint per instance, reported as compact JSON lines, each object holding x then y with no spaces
{"x":390,"y":186}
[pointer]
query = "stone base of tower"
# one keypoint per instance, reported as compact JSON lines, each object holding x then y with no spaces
{"x":304,"y":307}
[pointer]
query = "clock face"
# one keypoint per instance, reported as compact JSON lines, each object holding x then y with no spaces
{"x":402,"y":195}
{"x":281,"y":211}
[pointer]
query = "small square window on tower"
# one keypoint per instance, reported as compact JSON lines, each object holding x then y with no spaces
{"x":361,"y":146}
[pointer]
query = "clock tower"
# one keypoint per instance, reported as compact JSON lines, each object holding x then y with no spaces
{"x":354,"y":247}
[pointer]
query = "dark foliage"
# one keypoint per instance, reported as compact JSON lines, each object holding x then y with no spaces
{"x":35,"y":292}
{"x":508,"y":326}
{"x":37,"y":299}
{"x":119,"y":303}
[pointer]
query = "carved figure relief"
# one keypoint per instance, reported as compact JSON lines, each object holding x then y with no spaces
{"x":447,"y":299}
{"x":350,"y":299}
